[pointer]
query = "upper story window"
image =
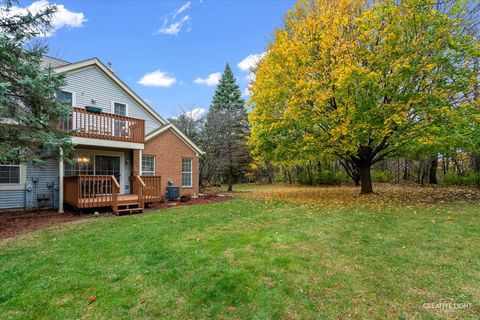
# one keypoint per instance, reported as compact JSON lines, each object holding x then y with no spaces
{"x":66,"y":97}
{"x":10,"y":174}
{"x":187,"y":172}
{"x":148,"y":165}
{"x":120,"y":109}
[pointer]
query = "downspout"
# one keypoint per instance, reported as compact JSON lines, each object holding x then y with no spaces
{"x":60,"y":182}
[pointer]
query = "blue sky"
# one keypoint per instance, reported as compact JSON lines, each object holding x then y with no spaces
{"x":171,"y":43}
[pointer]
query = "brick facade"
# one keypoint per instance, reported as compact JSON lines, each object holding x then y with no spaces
{"x":169,"y":150}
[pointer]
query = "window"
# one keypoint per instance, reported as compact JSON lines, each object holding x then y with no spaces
{"x":120,"y":109}
{"x":66,"y":97}
{"x":10,"y":174}
{"x":148,"y":165}
{"x":83,"y":164}
{"x":186,"y":172}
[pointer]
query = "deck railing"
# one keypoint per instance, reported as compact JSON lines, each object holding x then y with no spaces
{"x":138,"y":188}
{"x":91,"y":191}
{"x":107,"y":126}
{"x":152,"y":189}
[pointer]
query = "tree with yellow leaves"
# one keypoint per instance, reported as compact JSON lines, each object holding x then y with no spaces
{"x":362,"y":80}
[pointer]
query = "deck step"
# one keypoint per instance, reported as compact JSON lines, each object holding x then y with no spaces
{"x":128,"y":207}
{"x":120,"y":204}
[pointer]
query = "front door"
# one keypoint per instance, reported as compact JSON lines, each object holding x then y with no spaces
{"x":108,"y":165}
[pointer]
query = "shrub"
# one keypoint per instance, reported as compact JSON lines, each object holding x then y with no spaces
{"x":382,"y":176}
{"x":208,"y":195}
{"x":325,"y":177}
{"x":185,"y":198}
{"x":455,"y":179}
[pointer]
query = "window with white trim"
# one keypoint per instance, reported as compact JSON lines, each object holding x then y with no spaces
{"x":119,"y":108}
{"x":66,"y":97}
{"x":148,"y":165}
{"x":10,"y":174}
{"x":187,"y":172}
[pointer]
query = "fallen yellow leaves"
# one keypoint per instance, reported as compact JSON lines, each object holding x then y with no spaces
{"x":386,"y":195}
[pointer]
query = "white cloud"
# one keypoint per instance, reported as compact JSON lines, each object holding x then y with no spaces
{"x":211,"y":80}
{"x":250,"y":61}
{"x":173,"y":28}
{"x":157,"y":79}
{"x":181,"y":9}
{"x":173,"y":25}
{"x":62,"y":17}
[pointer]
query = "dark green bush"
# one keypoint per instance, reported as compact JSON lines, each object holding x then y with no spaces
{"x":382,"y":176}
{"x":455,"y":179}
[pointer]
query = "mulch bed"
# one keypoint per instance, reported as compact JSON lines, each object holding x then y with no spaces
{"x":172,"y":204}
{"x":19,"y":222}
{"x":14,"y":223}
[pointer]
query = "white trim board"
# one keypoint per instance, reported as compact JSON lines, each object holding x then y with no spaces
{"x":107,"y":143}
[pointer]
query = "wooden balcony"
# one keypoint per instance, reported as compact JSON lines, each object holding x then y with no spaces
{"x":107,"y":126}
{"x":97,"y":191}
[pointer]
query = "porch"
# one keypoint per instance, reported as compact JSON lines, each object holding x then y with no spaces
{"x":98,"y":191}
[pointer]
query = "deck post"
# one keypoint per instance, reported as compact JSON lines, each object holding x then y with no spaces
{"x":140,"y":162}
{"x":60,"y":182}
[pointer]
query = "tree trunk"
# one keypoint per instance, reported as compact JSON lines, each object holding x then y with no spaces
{"x":444,"y":164}
{"x":406,"y":173}
{"x":310,"y":181}
{"x":269,"y":171}
{"x":364,"y":169}
{"x":289,"y":177}
{"x":230,"y":179}
{"x":433,"y":170}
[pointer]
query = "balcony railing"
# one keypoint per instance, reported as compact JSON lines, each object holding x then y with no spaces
{"x":106,"y":126}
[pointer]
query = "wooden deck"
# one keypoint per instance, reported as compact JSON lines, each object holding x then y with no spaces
{"x":123,"y":199}
{"x":97,"y":191}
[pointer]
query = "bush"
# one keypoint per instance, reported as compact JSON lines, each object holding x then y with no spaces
{"x":382,"y":176}
{"x":455,"y":179}
{"x":185,"y":198}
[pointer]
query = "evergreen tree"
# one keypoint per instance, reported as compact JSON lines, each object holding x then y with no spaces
{"x":29,"y":110}
{"x":227,"y":129}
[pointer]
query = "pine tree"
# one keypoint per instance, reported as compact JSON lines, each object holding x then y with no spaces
{"x":29,"y":110}
{"x":227,"y":127}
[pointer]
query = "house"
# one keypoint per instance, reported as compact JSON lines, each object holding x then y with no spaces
{"x":125,"y":153}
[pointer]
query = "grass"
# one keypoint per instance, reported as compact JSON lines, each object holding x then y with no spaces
{"x":250,"y":257}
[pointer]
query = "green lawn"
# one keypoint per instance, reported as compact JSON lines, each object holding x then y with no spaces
{"x":249,"y":258}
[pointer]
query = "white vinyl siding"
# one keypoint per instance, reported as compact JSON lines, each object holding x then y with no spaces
{"x":187,"y":172}
{"x":97,"y":89}
{"x":148,"y":165}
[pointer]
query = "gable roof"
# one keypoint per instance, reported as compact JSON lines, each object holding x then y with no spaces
{"x":178,"y":132}
{"x":52,"y":62}
{"x":76,"y":66}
